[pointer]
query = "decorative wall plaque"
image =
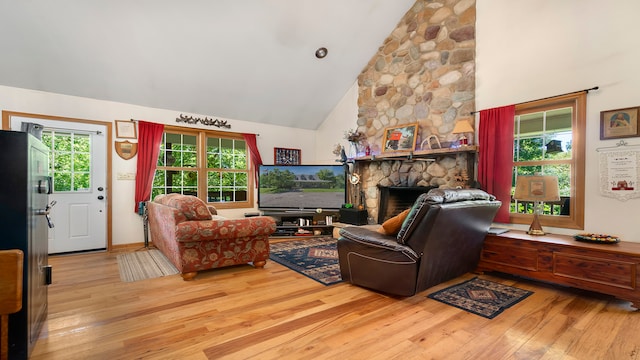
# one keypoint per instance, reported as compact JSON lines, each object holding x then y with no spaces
{"x":126,"y":149}
{"x":620,"y":172}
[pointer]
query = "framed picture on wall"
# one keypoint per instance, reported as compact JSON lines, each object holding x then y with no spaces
{"x":126,"y":129}
{"x":400,"y":138}
{"x":619,"y":123}
{"x":284,"y":156}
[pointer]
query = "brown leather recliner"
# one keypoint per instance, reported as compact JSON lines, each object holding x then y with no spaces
{"x":440,"y":239}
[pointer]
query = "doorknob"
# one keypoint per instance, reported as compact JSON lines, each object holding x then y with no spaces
{"x":100,"y":188}
{"x":100,"y":197}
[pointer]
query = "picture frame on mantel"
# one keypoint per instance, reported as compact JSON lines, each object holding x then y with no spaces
{"x":400,"y":138}
{"x":284,"y":156}
{"x":619,"y":123}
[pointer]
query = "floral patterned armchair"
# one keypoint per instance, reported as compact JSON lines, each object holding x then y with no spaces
{"x":194,"y":238}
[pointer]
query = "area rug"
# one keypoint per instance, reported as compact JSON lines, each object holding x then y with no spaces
{"x":141,"y":265}
{"x":316,"y":258}
{"x":481,"y":297}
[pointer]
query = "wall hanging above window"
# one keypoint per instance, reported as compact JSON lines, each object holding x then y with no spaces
{"x":205,"y":121}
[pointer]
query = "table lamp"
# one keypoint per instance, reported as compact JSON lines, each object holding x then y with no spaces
{"x":538,"y":189}
{"x":463,"y":127}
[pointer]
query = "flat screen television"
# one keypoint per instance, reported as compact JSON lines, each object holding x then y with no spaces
{"x":301,"y":187}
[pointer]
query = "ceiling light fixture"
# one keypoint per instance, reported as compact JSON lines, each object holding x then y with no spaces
{"x":321,"y":52}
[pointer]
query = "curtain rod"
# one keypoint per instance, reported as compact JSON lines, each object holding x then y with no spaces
{"x":548,"y":97}
{"x":97,"y":132}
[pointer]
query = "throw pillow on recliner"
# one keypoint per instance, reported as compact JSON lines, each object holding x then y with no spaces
{"x":393,"y":225}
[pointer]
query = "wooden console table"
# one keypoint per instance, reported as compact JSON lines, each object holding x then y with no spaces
{"x":611,"y":269}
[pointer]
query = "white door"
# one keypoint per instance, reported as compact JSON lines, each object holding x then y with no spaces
{"x":79,"y":183}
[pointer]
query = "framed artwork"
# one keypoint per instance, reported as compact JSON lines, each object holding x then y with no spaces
{"x":126,"y":129}
{"x":126,"y":149}
{"x":284,"y":156}
{"x":400,"y":138}
{"x":619,"y":123}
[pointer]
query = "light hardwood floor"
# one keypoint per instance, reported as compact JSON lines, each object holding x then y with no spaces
{"x":276,"y":313}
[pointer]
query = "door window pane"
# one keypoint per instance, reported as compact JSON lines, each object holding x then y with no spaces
{"x":70,"y":160}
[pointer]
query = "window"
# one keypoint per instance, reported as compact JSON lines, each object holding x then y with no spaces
{"x":69,"y":160}
{"x":549,"y":139}
{"x":211,"y":165}
{"x":227,"y":175}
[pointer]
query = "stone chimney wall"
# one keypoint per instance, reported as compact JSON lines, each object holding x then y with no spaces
{"x":423,"y":73}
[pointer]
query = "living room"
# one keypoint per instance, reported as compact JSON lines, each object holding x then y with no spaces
{"x":551,"y":48}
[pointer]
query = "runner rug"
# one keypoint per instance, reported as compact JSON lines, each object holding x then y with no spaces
{"x":481,"y":297}
{"x":141,"y":265}
{"x":316,"y":258}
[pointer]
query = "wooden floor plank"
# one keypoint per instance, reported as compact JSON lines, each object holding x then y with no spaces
{"x":275,"y":313}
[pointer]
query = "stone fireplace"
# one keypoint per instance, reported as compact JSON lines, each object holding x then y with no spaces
{"x":424,"y":74}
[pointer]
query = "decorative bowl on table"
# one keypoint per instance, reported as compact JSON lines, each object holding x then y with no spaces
{"x":597,"y":238}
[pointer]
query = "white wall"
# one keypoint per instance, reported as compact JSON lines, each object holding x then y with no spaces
{"x":341,"y":119}
{"x":126,"y":225}
{"x":528,"y":50}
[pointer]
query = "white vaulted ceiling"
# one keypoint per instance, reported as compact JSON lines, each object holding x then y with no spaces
{"x":251,"y":60}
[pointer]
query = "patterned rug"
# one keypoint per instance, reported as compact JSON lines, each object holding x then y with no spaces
{"x":141,"y":265}
{"x":316,"y":258}
{"x":481,"y":297}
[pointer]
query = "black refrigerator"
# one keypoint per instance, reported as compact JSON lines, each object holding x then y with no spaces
{"x":25,"y":186}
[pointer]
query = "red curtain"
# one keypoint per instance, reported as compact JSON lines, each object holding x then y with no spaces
{"x":256,"y":159}
{"x":149,"y":138}
{"x":495,"y":162}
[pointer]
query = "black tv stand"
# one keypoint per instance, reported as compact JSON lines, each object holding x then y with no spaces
{"x":302,"y":223}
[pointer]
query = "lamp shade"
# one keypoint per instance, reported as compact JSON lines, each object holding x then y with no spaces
{"x":462,"y":126}
{"x":537,"y":188}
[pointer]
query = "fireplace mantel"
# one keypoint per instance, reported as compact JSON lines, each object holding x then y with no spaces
{"x":418,"y":154}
